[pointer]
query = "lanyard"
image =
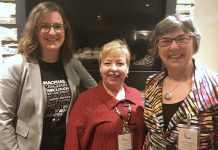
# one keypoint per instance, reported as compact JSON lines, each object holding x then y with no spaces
{"x":125,"y":122}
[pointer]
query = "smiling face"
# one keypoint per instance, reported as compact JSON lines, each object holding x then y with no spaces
{"x":51,"y":41}
{"x":176,"y":56}
{"x":113,"y":69}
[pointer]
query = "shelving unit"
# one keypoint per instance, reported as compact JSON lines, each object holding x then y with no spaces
{"x":185,"y":8}
{"x":8,"y":28}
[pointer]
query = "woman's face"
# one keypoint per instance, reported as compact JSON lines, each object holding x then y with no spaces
{"x":177,"y":55}
{"x":51,"y":38}
{"x":113,"y":69}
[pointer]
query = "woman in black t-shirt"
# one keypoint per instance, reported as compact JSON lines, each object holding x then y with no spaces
{"x":39,"y":85}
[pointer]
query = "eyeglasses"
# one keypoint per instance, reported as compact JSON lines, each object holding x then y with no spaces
{"x":180,"y":40}
{"x":59,"y":28}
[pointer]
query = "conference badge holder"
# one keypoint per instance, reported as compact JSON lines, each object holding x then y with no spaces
{"x":188,"y":135}
{"x":125,"y":138}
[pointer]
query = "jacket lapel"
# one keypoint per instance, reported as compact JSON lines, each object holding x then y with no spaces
{"x":37,"y":90}
{"x":71,"y":81}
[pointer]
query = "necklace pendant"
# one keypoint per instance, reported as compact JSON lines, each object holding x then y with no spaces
{"x":168,"y":96}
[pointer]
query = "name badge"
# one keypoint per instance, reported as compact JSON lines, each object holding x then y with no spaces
{"x":188,"y":137}
{"x":125,"y":141}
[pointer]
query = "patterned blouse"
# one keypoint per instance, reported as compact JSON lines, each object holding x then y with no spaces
{"x":201,"y":103}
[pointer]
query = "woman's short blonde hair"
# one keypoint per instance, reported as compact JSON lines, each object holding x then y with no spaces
{"x":115,"y":46}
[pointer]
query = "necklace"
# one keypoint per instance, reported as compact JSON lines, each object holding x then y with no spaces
{"x":168,"y":95}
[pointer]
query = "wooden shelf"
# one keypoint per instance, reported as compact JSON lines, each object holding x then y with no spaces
{"x":8,"y":25}
{"x":8,"y":1}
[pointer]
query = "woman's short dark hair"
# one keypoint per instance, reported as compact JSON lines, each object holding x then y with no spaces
{"x":29,"y":43}
{"x":172,"y":23}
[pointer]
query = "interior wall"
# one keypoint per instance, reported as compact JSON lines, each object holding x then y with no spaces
{"x":206,"y":17}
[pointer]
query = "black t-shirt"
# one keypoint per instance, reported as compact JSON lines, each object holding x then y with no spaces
{"x":58,"y":99}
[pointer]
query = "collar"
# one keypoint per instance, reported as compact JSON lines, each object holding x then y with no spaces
{"x":110,"y":101}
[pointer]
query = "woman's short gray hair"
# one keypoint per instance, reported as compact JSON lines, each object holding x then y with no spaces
{"x":172,"y":23}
